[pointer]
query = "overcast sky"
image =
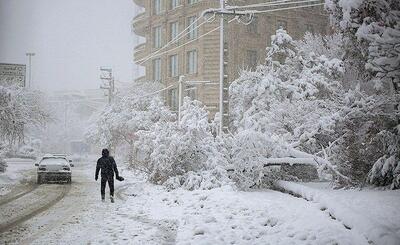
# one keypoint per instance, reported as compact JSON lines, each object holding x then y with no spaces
{"x":71,"y":39}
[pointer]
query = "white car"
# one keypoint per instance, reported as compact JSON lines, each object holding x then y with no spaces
{"x":53,"y":168}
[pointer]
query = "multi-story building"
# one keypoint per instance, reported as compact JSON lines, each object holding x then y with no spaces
{"x":196,"y":54}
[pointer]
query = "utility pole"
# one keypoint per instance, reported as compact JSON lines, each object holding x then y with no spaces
{"x":221,"y":68}
{"x":223,"y":12}
{"x":108,"y":83}
{"x":30,"y":67}
{"x":180,"y":97}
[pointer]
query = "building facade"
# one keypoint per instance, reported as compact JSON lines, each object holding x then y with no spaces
{"x":196,"y":54}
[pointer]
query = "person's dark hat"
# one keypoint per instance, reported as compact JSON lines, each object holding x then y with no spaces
{"x":105,"y":152}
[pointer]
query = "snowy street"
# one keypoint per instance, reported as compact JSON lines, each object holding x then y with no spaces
{"x":148,"y":214}
{"x":200,"y":122}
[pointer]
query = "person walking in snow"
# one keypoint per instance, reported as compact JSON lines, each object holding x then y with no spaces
{"x":108,"y":167}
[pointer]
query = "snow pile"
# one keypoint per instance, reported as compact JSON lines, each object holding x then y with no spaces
{"x":225,"y":216}
{"x":376,"y":229}
{"x":18,"y":170}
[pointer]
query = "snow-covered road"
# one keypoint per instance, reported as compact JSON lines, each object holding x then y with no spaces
{"x":148,"y":214}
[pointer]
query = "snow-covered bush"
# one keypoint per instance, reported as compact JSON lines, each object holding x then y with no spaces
{"x":184,"y":154}
{"x":117,"y":124}
{"x":31,"y":149}
{"x":249,"y":149}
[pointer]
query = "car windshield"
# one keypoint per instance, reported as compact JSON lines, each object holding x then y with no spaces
{"x":53,"y":161}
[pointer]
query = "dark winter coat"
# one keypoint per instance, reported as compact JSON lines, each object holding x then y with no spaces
{"x":107,"y":166}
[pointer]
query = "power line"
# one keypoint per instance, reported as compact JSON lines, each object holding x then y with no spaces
{"x":175,"y":39}
{"x":288,"y":8}
{"x":268,"y":4}
{"x":182,"y":34}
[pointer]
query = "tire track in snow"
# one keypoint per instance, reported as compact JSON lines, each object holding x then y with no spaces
{"x":27,"y":214}
{"x":9,"y":198}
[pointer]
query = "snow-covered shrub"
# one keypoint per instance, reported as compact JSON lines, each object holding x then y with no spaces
{"x":249,"y":149}
{"x":30,"y":149}
{"x":184,"y":154}
{"x":117,"y":124}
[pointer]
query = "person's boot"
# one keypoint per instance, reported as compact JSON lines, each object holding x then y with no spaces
{"x":103,"y":198}
{"x":112,"y":199}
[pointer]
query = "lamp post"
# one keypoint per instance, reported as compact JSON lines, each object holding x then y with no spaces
{"x":30,"y":67}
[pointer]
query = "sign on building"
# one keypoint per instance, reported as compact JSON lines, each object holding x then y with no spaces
{"x":12,"y":74}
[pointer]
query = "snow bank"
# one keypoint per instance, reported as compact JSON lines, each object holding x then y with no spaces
{"x":15,"y":173}
{"x":376,"y":230}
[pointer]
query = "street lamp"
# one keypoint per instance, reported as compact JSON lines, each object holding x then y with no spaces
{"x":30,"y":67}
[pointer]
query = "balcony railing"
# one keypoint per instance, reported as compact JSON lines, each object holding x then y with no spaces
{"x":139,"y":2}
{"x":139,"y":52}
{"x":139,"y":24}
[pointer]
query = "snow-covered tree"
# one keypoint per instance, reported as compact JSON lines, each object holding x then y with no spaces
{"x":183,"y":154}
{"x":330,"y":46}
{"x":372,"y":31}
{"x":118,"y":123}
{"x":290,"y":102}
{"x":19,"y":109}
{"x":369,"y":124}
{"x":367,"y":150}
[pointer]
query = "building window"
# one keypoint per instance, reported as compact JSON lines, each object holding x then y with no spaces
{"x":281,"y":24}
{"x":252,"y":59}
{"x":157,"y":7}
{"x":192,"y":24}
{"x":310,"y":28}
{"x":192,"y":1}
{"x":173,"y":99}
{"x":157,"y":42}
{"x":173,"y":66}
{"x":253,"y":26}
{"x":192,"y":62}
{"x":157,"y":70}
{"x":173,"y":4}
{"x":174,"y":27}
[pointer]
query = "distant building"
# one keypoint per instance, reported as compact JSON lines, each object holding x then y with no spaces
{"x":198,"y":60}
{"x":12,"y":74}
